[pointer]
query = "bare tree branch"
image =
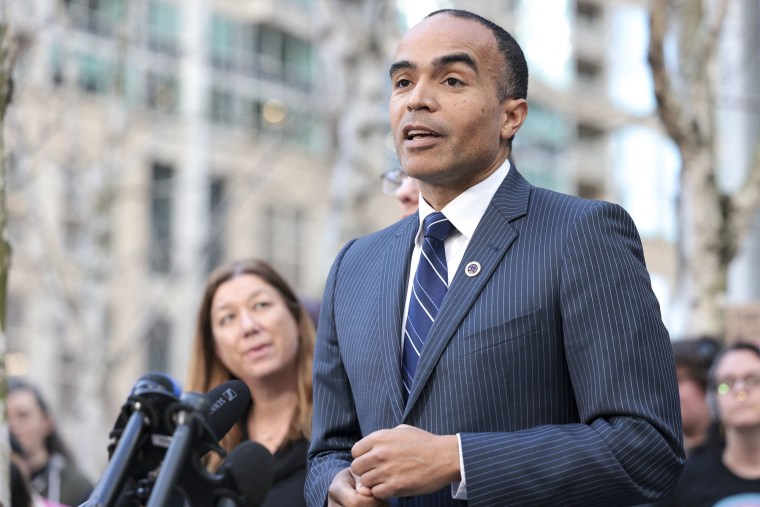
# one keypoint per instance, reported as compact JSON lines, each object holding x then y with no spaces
{"x":670,"y":108}
{"x":697,"y":69}
{"x":706,"y":45}
{"x":7,"y":60}
{"x":6,"y":88}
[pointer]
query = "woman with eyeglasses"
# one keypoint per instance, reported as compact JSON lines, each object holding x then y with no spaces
{"x":728,"y":474}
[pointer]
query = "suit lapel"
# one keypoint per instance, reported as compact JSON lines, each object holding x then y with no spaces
{"x":488,"y":245}
{"x":394,"y":276}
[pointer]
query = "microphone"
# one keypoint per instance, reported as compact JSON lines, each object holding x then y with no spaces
{"x":142,"y":415}
{"x":208,"y":417}
{"x":229,"y":402}
{"x":250,"y":468}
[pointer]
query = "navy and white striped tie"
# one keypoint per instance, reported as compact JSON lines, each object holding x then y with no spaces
{"x":431,"y":281}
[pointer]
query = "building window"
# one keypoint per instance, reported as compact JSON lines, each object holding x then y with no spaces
{"x":221,"y":107}
{"x":260,"y":56}
{"x":260,"y":50}
{"x":546,"y":129}
{"x":158,"y":340}
{"x":283,"y":56}
{"x":72,"y":211}
{"x":164,"y":24}
{"x":217,"y":220}
{"x":162,"y":91}
{"x":284,"y":231}
{"x":223,"y":49}
{"x":587,"y":70}
{"x":269,"y":49}
{"x":588,"y":13}
{"x":95,"y":74}
{"x":161,"y":195}
{"x":56,"y":63}
{"x":589,"y":134}
{"x":251,"y":114}
{"x":297,"y":58}
{"x":100,"y":17}
{"x":300,"y":128}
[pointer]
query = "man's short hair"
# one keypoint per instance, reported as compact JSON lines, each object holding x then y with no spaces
{"x":514,"y":79}
{"x":695,"y":356}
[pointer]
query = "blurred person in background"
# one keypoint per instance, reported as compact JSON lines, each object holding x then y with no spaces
{"x":22,"y":494}
{"x":251,"y":327}
{"x":52,"y":471}
{"x":21,"y":491}
{"x":405,"y":188}
{"x":693,"y":360}
{"x":727,"y":473}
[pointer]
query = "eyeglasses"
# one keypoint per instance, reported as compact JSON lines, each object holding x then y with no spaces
{"x":726,"y":385}
{"x":392,"y":180}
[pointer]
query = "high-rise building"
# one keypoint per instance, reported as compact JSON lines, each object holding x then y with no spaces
{"x":148,"y":141}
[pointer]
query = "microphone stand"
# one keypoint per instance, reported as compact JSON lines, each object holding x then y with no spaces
{"x":190,"y":419}
{"x":107,"y":489}
{"x":143,"y":414}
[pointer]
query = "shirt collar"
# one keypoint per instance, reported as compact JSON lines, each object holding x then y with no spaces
{"x":466,"y":210}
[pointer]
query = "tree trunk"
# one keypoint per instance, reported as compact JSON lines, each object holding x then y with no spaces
{"x":711,"y":223}
{"x":702,"y":268}
{"x":356,"y":38}
{"x":6,"y":68}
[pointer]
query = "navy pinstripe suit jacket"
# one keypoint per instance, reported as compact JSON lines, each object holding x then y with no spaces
{"x":553,"y":362}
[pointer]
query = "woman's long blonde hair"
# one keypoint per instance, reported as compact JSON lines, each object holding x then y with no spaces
{"x":207,"y":371}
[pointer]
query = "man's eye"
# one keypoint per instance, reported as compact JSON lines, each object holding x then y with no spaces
{"x":452,"y":81}
{"x":402,"y":83}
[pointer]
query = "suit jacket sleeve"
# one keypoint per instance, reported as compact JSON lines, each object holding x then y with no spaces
{"x":627,"y":445}
{"x":334,"y":415}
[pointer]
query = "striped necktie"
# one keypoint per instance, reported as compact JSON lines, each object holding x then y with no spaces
{"x":431,"y":281}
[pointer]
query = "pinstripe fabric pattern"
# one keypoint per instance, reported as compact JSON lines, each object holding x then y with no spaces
{"x":552,"y":363}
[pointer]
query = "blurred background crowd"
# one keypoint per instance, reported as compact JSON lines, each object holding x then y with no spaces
{"x":146,"y":142}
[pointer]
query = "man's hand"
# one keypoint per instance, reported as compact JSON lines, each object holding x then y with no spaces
{"x":405,"y":461}
{"x":343,"y":493}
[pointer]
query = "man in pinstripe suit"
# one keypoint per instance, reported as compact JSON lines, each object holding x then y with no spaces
{"x":547,"y":376}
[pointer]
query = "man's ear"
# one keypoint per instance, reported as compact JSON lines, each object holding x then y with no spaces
{"x":515,"y":112}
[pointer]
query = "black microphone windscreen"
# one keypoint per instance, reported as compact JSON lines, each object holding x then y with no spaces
{"x":157,"y":381}
{"x":229,"y":403}
{"x":251,"y":466}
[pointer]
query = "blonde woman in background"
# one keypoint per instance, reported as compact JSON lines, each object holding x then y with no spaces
{"x":252,"y":327}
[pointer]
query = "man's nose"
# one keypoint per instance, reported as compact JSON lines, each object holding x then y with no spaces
{"x":422,"y":96}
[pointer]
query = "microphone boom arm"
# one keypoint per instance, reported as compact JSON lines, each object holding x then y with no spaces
{"x":108,"y":488}
{"x":190,"y":420}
